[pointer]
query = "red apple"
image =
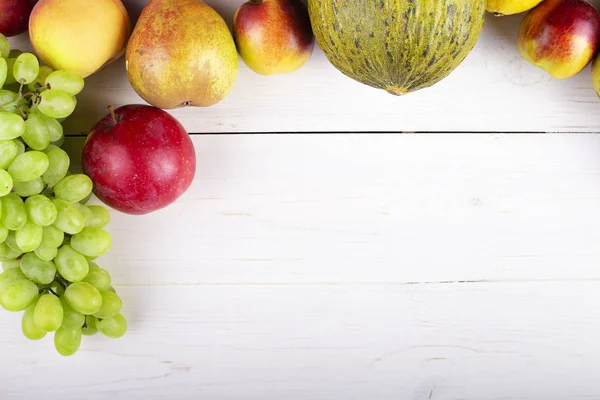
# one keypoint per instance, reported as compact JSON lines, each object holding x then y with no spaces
{"x":140,"y":159}
{"x":273,"y":36}
{"x":560,"y":36}
{"x":14,"y":16}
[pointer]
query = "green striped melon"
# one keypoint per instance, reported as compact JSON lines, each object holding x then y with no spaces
{"x":396,"y":45}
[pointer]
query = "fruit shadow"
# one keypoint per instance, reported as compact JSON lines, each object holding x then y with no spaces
{"x":134,"y":9}
{"x":504,"y":28}
{"x":73,"y":146}
{"x":574,"y":93}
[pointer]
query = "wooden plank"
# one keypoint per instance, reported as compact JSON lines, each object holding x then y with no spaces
{"x":372,"y":208}
{"x":456,"y":267}
{"x":493,"y":90}
{"x":482,"y":341}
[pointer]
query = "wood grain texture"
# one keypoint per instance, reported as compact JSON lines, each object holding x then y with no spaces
{"x":374,"y":208}
{"x":454,"y":267}
{"x":480,"y":341}
{"x":493,"y":90}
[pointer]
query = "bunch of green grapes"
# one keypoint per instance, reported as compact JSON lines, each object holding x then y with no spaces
{"x":49,"y":237}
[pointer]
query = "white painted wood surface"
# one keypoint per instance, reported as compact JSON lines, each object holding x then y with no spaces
{"x":350,"y":267}
{"x":354,"y":266}
{"x":493,"y":90}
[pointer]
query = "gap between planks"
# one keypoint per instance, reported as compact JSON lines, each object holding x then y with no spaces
{"x":368,"y":284}
{"x":513,"y":133}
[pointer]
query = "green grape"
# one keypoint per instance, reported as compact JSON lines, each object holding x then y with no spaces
{"x":67,"y":81}
{"x":40,"y":80}
{"x":71,"y":264}
{"x":28,"y":166}
{"x":89,"y":328}
{"x":56,"y":103}
{"x":111,"y":305}
{"x":58,"y":167}
{"x":71,"y":319}
{"x":18,"y":295}
{"x":83,"y":297}
{"x":41,"y":210}
{"x":92,"y":242}
{"x":12,"y":126}
{"x":55,"y":129}
{"x":98,"y":277}
{"x":7,"y":96}
{"x":46,"y":253}
{"x":112,"y":289}
{"x":58,"y":289}
{"x":28,"y":327}
{"x":6,"y":253}
{"x":26,"y":68}
{"x":114,"y":327}
{"x":67,"y":341}
{"x":20,"y":146}
{"x":69,"y":219}
{"x":4,"y":46}
{"x":14,"y":213}
{"x":29,"y":237}
{"x":10,"y":65}
{"x":11,"y":241}
{"x":52,"y":237}
{"x":38,"y":270}
{"x":6,"y":182}
{"x":10,"y":264}
{"x":14,"y":53}
{"x":17,"y":107}
{"x":101,"y":217}
{"x":3,"y":71}
{"x":50,"y":148}
{"x":29,"y":188}
{"x":86,"y":199}
{"x":8,"y":152}
{"x":60,"y":142}
{"x":48,"y":313}
{"x":37,"y":135}
{"x":3,"y":232}
{"x":73,"y":188}
{"x":33,"y":108}
{"x":88,"y":216}
{"x":9,"y":276}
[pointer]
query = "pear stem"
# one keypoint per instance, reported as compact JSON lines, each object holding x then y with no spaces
{"x":111,"y":110}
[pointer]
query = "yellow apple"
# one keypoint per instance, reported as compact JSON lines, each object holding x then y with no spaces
{"x":509,"y":7}
{"x":79,"y":35}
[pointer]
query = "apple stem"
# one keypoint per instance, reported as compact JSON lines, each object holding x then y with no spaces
{"x":257,"y":2}
{"x":112,"y":113}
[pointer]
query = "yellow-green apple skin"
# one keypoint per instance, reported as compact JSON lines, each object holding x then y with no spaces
{"x":79,"y":35}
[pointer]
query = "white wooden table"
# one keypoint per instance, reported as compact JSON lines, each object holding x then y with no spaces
{"x":329,"y":265}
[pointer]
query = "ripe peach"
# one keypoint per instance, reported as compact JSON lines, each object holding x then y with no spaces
{"x":273,"y":36}
{"x":560,"y":36}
